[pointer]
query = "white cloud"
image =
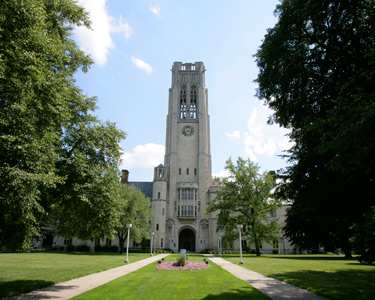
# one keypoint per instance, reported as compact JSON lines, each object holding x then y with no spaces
{"x":123,"y":27}
{"x":250,"y":154}
{"x":144,"y":156}
{"x":140,"y":64}
{"x":221,"y":174}
{"x":262,"y":138}
{"x":155,"y":8}
{"x":235,"y":136}
{"x":98,"y":41}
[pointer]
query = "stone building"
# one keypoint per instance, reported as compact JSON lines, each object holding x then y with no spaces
{"x":183,"y":187}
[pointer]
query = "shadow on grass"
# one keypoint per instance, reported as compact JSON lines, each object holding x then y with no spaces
{"x":340,"y":284}
{"x":294,"y":257}
{"x":17,"y":287}
{"x":335,"y":258}
{"x":238,"y":295}
{"x":80,"y":253}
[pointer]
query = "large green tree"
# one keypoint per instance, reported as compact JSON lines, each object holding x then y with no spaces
{"x":245,"y":198}
{"x":57,"y":161}
{"x":317,"y":74}
{"x":135,"y":209}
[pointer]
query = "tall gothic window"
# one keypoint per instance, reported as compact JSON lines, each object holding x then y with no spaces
{"x":183,"y":103}
{"x":193,"y":103}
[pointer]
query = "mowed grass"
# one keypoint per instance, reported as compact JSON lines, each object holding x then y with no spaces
{"x":24,"y":272}
{"x":150,"y":283}
{"x":328,"y":275}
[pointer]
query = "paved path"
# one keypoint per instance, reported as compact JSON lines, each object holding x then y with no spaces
{"x":273,"y":288}
{"x":74,"y":287}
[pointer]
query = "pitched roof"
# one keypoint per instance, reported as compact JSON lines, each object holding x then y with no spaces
{"x":145,"y":187}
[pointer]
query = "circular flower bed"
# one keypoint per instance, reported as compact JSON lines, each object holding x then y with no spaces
{"x":189,"y":266}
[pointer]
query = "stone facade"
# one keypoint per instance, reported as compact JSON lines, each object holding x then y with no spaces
{"x":182,"y":187}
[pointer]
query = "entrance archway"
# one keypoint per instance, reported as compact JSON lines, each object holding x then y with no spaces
{"x":186,"y":240}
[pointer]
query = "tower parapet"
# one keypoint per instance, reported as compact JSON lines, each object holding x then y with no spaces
{"x":192,"y":73}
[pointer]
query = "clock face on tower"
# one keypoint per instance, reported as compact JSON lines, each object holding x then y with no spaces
{"x":187,"y":130}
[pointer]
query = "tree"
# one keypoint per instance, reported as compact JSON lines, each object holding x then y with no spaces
{"x":135,"y":209}
{"x":317,"y":72}
{"x":48,"y":135}
{"x":364,"y":237}
{"x":245,"y":198}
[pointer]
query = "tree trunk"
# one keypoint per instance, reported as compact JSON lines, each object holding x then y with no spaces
{"x":121,"y":242}
{"x":257,"y":251}
{"x":347,"y":250}
{"x":346,"y":246}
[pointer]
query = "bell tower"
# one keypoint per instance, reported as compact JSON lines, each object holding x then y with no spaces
{"x":187,"y":163}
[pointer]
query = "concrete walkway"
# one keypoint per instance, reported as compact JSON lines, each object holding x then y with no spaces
{"x":273,"y":288}
{"x":74,"y":287}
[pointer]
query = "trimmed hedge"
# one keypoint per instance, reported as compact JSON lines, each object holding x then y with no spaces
{"x":82,"y":248}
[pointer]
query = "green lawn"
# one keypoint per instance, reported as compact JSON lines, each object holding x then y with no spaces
{"x":24,"y":272}
{"x":331,"y":276}
{"x":150,"y":283}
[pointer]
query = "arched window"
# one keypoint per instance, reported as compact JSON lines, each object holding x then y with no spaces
{"x":183,"y":103}
{"x":193,"y":103}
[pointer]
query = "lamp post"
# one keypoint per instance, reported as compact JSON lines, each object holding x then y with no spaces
{"x":127,"y":243}
{"x":220,"y":244}
{"x":152,"y":235}
{"x":153,"y":246}
{"x":239,"y":227}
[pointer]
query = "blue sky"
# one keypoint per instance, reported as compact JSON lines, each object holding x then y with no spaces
{"x":134,"y":44}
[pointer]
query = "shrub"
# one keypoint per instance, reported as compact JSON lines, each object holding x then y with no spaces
{"x":246,"y":249}
{"x":98,"y":248}
{"x":54,"y":248}
{"x":181,"y":261}
{"x":367,"y":258}
{"x":105,"y":248}
{"x":70,"y":248}
{"x":207,"y":251}
{"x":275,"y":251}
{"x":113,"y":249}
{"x":83,"y":248}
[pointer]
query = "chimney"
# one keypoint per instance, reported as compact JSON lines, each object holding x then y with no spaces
{"x":125,"y":177}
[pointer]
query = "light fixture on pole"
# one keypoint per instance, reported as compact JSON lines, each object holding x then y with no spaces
{"x":153,"y":246}
{"x":239,"y":227}
{"x":220,"y":243}
{"x":152,"y":235}
{"x":127,"y":243}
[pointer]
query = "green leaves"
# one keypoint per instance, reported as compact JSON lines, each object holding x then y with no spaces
{"x":57,"y":161}
{"x":134,"y":209}
{"x":316,"y":73}
{"x":245,"y":198}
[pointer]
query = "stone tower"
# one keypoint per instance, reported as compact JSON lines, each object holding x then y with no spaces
{"x":182,"y":187}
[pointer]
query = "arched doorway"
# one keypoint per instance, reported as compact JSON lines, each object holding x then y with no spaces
{"x":186,"y":240}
